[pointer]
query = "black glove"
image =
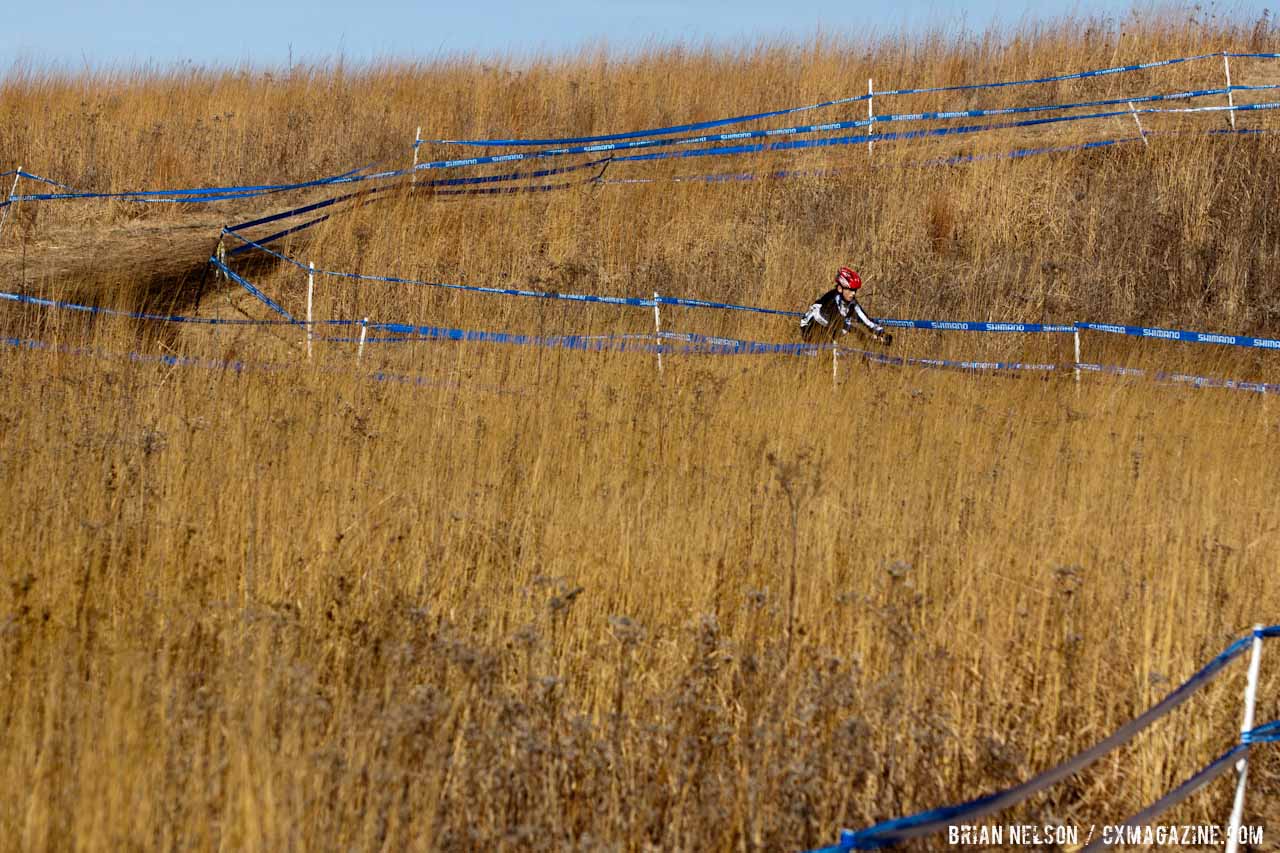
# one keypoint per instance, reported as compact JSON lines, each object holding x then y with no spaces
{"x":886,"y":338}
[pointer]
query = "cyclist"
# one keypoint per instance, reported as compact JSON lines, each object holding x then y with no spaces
{"x":833,"y":312}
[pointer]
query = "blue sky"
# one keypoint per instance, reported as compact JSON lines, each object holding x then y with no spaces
{"x":267,"y":33}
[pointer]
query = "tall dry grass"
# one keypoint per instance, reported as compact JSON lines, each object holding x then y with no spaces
{"x":537,"y":599}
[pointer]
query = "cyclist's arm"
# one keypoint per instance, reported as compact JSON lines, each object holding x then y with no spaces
{"x":875,"y":327}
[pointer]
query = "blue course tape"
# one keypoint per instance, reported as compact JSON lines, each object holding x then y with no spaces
{"x":298,"y":211}
{"x":513,"y":176}
{"x":1031,"y":152}
{"x":1210,"y":772}
{"x":251,"y":244}
{"x":834,"y":126}
{"x":962,"y":326}
{"x":726,"y":177}
{"x":447,"y":182}
{"x":239,"y":367}
{"x":193,"y":199}
{"x":707,"y":125}
{"x":294,"y":229}
{"x":1181,"y":335}
{"x":943,"y":161}
{"x":1079,"y":75}
{"x":211,"y":194}
{"x":924,"y":823}
{"x":1182,"y":378}
{"x":170,"y":360}
{"x":1110,"y":369}
{"x":899,"y":135}
{"x":895,"y":117}
{"x":25,"y":299}
{"x":1206,"y":382}
{"x":1269,"y":733}
{"x":543,"y":188}
{"x":249,"y":286}
{"x":41,"y":180}
{"x":599,"y":343}
{"x":981,"y":113}
{"x":725,"y":306}
{"x":199,"y":194}
{"x":659,"y":131}
{"x":948,"y":364}
{"x":694,"y":343}
{"x":959,"y":365}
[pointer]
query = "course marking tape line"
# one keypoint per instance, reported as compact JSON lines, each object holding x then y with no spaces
{"x":722,"y":122}
{"x":928,"y":822}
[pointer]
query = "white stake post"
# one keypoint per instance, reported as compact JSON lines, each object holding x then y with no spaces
{"x":1077,"y":337}
{"x":12,"y":192}
{"x":1231,"y":100}
{"x":871,"y":115}
{"x":834,"y":355}
{"x":222,"y":254}
{"x":311,"y":286}
{"x":1138,"y":122}
{"x":657,"y":328}
{"x":413,"y":174}
{"x":364,"y":328}
{"x":1242,"y":766}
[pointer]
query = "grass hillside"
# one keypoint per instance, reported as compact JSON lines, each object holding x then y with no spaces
{"x":457,"y":596}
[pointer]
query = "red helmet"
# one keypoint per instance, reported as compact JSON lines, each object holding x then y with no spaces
{"x":848,"y":278}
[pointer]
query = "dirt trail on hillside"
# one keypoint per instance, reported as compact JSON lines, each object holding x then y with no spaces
{"x":154,"y":264}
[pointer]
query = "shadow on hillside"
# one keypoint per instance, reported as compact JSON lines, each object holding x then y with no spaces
{"x":162,"y":272}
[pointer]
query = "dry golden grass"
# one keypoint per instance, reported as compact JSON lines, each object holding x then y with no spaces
{"x":541,"y":599}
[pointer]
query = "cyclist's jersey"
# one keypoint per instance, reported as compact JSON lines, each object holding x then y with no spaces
{"x":830,"y":315}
